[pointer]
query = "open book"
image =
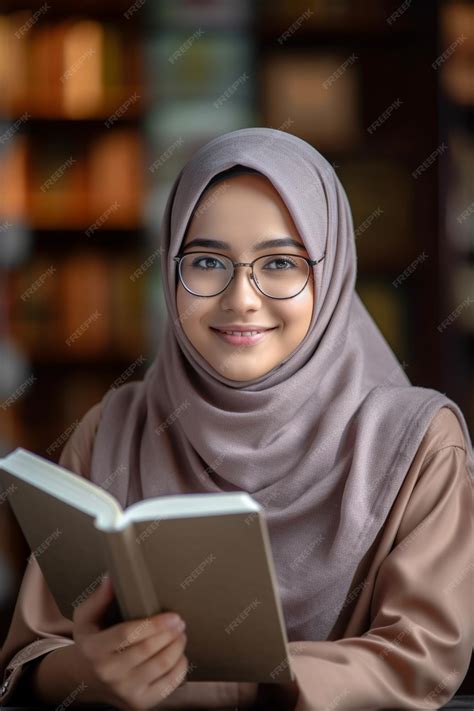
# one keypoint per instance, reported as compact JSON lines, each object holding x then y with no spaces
{"x":205,"y":556}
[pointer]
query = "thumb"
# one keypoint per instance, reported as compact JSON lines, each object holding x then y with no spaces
{"x":88,"y":615}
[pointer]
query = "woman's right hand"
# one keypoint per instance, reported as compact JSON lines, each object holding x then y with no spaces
{"x":131,"y":664}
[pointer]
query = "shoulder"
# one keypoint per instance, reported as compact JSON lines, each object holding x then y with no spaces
{"x":445,"y":430}
{"x":77,"y":452}
{"x":437,"y":484}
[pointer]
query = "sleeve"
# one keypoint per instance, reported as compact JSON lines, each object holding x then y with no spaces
{"x":418,"y":648}
{"x":37,"y":626}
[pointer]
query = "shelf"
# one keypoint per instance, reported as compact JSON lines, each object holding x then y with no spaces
{"x":59,"y":240}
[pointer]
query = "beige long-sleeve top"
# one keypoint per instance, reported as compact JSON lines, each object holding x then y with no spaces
{"x":404,"y":637}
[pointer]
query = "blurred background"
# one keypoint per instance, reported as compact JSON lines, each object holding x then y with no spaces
{"x":103,"y":101}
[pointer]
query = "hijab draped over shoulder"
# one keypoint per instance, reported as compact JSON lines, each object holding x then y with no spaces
{"x":322,"y":441}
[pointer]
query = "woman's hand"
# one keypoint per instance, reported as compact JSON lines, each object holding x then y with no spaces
{"x":131,"y":664}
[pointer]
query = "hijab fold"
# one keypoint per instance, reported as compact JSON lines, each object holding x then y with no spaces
{"x":323,"y":441}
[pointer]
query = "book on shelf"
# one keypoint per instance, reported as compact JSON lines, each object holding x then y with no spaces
{"x":205,"y":556}
{"x":80,"y":306}
{"x":73,"y":68}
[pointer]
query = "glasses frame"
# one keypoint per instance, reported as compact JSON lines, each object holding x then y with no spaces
{"x":311,"y":262}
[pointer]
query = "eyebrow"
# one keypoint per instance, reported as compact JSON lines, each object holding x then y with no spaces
{"x":266,"y":244}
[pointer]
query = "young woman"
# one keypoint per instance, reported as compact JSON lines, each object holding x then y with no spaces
{"x":272,"y":378}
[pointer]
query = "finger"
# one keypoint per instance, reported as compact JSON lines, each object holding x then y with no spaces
{"x":165,"y":686}
{"x":88,"y":615}
{"x":160,"y":663}
{"x":136,"y":654}
{"x":121,"y":639}
{"x":137,"y":679}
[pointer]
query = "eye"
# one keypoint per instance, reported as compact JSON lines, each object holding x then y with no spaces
{"x":284,"y":262}
{"x":197,"y":263}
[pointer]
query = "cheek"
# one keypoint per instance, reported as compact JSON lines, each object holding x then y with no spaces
{"x":296,"y":313}
{"x":190,"y":309}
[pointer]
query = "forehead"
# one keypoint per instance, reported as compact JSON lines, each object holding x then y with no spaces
{"x":243,"y":213}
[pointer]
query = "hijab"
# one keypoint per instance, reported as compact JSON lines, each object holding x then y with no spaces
{"x":322,"y":441}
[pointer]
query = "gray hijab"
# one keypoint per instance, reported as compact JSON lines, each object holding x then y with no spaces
{"x":323,"y":441}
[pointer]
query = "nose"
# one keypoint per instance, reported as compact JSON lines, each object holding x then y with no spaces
{"x":241,"y":292}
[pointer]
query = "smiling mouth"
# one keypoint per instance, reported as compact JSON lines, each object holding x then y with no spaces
{"x":236,"y":339}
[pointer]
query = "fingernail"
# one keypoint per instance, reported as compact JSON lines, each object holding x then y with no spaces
{"x":176,"y":622}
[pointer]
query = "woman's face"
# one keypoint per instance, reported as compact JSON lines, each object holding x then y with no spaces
{"x":242,"y":211}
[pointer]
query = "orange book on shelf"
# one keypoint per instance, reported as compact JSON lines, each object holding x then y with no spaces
{"x":13,"y":180}
{"x":34,"y":306}
{"x":13,"y":84}
{"x":44,"y":91}
{"x":128,"y":307}
{"x":82,"y":81}
{"x":115,"y":179}
{"x":85,"y":300}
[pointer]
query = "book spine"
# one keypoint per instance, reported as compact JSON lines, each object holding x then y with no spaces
{"x":131,"y":581}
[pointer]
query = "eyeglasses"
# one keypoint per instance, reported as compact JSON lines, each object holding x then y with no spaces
{"x":279,"y":276}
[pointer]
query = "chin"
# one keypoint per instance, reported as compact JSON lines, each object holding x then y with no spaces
{"x":238,"y":372}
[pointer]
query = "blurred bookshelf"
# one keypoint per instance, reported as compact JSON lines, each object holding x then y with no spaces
{"x":71,"y":219}
{"x":102,"y":103}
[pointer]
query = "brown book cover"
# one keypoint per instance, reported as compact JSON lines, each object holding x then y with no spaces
{"x":206,"y":556}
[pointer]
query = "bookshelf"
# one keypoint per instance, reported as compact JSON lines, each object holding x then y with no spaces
{"x":354,"y":80}
{"x":357,"y":82}
{"x":71,"y":157}
{"x":455,"y":328}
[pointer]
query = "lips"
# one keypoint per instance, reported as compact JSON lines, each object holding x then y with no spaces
{"x":249,"y":331}
{"x":242,"y":340}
